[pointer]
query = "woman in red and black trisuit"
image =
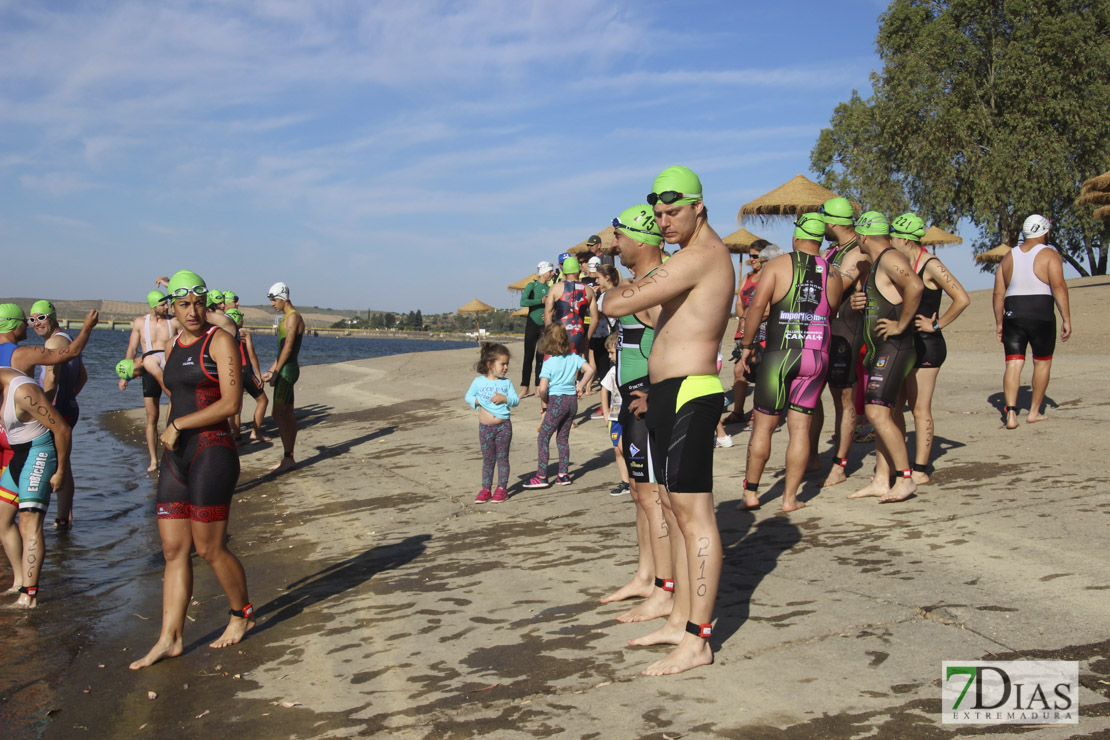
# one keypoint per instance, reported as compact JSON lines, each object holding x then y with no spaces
{"x":200,"y":467}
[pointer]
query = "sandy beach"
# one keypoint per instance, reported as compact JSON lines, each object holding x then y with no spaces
{"x":390,"y":605}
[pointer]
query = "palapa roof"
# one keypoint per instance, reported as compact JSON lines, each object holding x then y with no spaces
{"x":936,"y":235}
{"x":521,"y":284}
{"x":476,"y":306}
{"x":1094,"y":197}
{"x":520,"y":313}
{"x":994,"y":255}
{"x":741,"y":240}
{"x":798,"y":195}
{"x":1099,"y":182}
{"x":1103,"y":213}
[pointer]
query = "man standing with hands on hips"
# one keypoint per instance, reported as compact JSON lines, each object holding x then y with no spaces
{"x":694,"y":288}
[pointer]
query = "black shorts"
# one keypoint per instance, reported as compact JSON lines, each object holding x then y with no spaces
{"x":196,"y":480}
{"x":842,"y":362}
{"x":1040,"y":334}
{"x":251,"y":383}
{"x":894,"y":360}
{"x":151,"y":387}
{"x":634,"y":435}
{"x":682,"y":423}
{"x":932,"y":350}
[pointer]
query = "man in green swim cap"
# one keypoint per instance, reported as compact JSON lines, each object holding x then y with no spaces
{"x":890,"y":299}
{"x":694,"y":291}
{"x":61,"y":384}
{"x":845,"y":256}
{"x":150,"y":334}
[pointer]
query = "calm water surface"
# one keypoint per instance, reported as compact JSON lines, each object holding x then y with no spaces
{"x":91,"y":577}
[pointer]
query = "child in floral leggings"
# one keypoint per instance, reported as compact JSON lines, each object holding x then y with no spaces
{"x":559,"y":391}
{"x":493,"y":394}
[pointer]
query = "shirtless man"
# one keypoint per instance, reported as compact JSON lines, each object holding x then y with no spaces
{"x":637,"y":237}
{"x":1026,"y":284}
{"x":694,"y":288}
{"x":151,"y":332}
{"x":61,"y":384}
{"x":283,"y":374}
{"x":847,"y":335}
{"x":803,"y":292}
{"x":892,"y":294}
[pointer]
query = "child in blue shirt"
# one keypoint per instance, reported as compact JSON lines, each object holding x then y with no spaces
{"x":559,"y":391}
{"x":493,"y":394}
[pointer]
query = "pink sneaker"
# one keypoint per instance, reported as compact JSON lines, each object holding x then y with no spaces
{"x":596,"y":414}
{"x":563,"y":480}
{"x":483,"y":496}
{"x":537,"y":482}
{"x":499,"y":495}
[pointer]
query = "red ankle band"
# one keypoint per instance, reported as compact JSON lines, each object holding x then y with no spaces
{"x":700,"y":630}
{"x":244,"y":613}
{"x":842,"y":462}
{"x":667,"y":584}
{"x":907,"y":473}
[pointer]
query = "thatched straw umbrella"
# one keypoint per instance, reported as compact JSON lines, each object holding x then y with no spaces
{"x":521,"y":284}
{"x":1103,"y":214}
{"x":993,"y":256}
{"x":606,"y":235}
{"x":520,"y":313}
{"x":740,"y":241}
{"x":1101,"y":182}
{"x":936,"y":236}
{"x":799,"y":195}
{"x":1096,"y":192}
{"x":477,"y":307}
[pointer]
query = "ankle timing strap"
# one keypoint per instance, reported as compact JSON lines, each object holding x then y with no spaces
{"x":667,"y":584}
{"x":907,"y":473}
{"x":700,"y":630}
{"x":753,"y":487}
{"x":31,"y":591}
{"x":919,"y":468}
{"x":245,"y":613}
{"x":1011,"y":408}
{"x":841,"y":461}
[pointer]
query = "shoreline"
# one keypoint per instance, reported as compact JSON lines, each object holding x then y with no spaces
{"x":389,"y":605}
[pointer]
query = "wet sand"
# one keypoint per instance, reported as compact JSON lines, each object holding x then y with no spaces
{"x":390,"y":605}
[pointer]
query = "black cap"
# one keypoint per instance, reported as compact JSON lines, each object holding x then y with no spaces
{"x":595,"y":239}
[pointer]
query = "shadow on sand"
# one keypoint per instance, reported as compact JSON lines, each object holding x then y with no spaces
{"x":1024,"y":400}
{"x":322,"y":453}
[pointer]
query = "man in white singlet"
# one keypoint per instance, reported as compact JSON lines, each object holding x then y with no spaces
{"x":151,"y":333}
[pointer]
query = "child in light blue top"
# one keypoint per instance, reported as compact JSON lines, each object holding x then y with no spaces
{"x":493,"y":394}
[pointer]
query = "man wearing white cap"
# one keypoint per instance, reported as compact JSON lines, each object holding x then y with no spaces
{"x":285,"y":371}
{"x":532,"y":299}
{"x":1026,"y":284}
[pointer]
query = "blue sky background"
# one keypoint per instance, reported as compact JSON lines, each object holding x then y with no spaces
{"x":392,"y":156}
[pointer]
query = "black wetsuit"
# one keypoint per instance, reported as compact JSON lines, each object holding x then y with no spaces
{"x":931,"y":347}
{"x":197,"y":478}
{"x":888,"y":361}
{"x":846,"y":328}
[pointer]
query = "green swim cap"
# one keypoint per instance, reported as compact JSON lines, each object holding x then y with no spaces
{"x":214,"y":297}
{"x":234,"y":314}
{"x":185,"y":279}
{"x":677,"y":179}
{"x":125,"y":369}
{"x":571,"y":266}
{"x":11,"y":316}
{"x":638,"y":224}
{"x":908,"y":226}
{"x":810,"y":226}
{"x":154,"y":297}
{"x":837,"y":211}
{"x":43,"y":306}
{"x":872,"y":223}
{"x":230,"y":295}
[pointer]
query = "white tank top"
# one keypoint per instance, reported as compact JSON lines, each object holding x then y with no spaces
{"x":19,"y":431}
{"x":1024,"y":281}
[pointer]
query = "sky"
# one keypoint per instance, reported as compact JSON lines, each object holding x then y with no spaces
{"x":393,"y":156}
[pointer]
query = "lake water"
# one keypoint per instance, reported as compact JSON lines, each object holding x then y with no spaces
{"x":92,"y":573}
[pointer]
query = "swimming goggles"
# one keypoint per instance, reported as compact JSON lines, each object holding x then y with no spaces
{"x":195,"y":290}
{"x":669,"y":196}
{"x":618,"y":225}
{"x":38,"y":318}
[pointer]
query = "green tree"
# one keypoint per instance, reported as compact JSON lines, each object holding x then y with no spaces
{"x":988,"y":110}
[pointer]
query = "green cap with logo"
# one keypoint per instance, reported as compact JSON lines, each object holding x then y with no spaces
{"x":837,"y":211}
{"x":872,"y":223}
{"x":11,"y":316}
{"x":908,"y":226}
{"x":185,"y":279}
{"x":230,"y":295}
{"x":125,"y":369}
{"x":570,"y":266}
{"x":679,"y":179}
{"x":234,"y":314}
{"x":215,"y":297}
{"x":43,"y":306}
{"x":154,"y":297}
{"x":638,"y":223}
{"x":810,"y":226}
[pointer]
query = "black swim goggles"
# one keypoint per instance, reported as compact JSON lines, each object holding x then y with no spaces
{"x":669,"y":196}
{"x":182,"y":292}
{"x":618,"y":225}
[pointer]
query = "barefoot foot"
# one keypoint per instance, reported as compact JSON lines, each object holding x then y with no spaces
{"x":1032,"y":418}
{"x":236,"y":628}
{"x":634,"y":589}
{"x":690,"y":653}
{"x":287,"y":463}
{"x":668,"y":634}
{"x":749,"y":503}
{"x":901,"y":491}
{"x":920,"y":478}
{"x":792,"y":504}
{"x":164,"y":648}
{"x":1011,"y":420}
{"x":835,"y":477}
{"x":152,"y":467}
{"x":26,"y":602}
{"x":656,"y":606}
{"x":874,"y":488}
{"x":259,"y":437}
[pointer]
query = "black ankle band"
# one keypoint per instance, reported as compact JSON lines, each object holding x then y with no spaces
{"x":31,"y":591}
{"x":753,"y":487}
{"x":244,"y":613}
{"x":700,"y":630}
{"x":919,"y":468}
{"x":1011,"y":408}
{"x":667,"y":584}
{"x":841,"y":461}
